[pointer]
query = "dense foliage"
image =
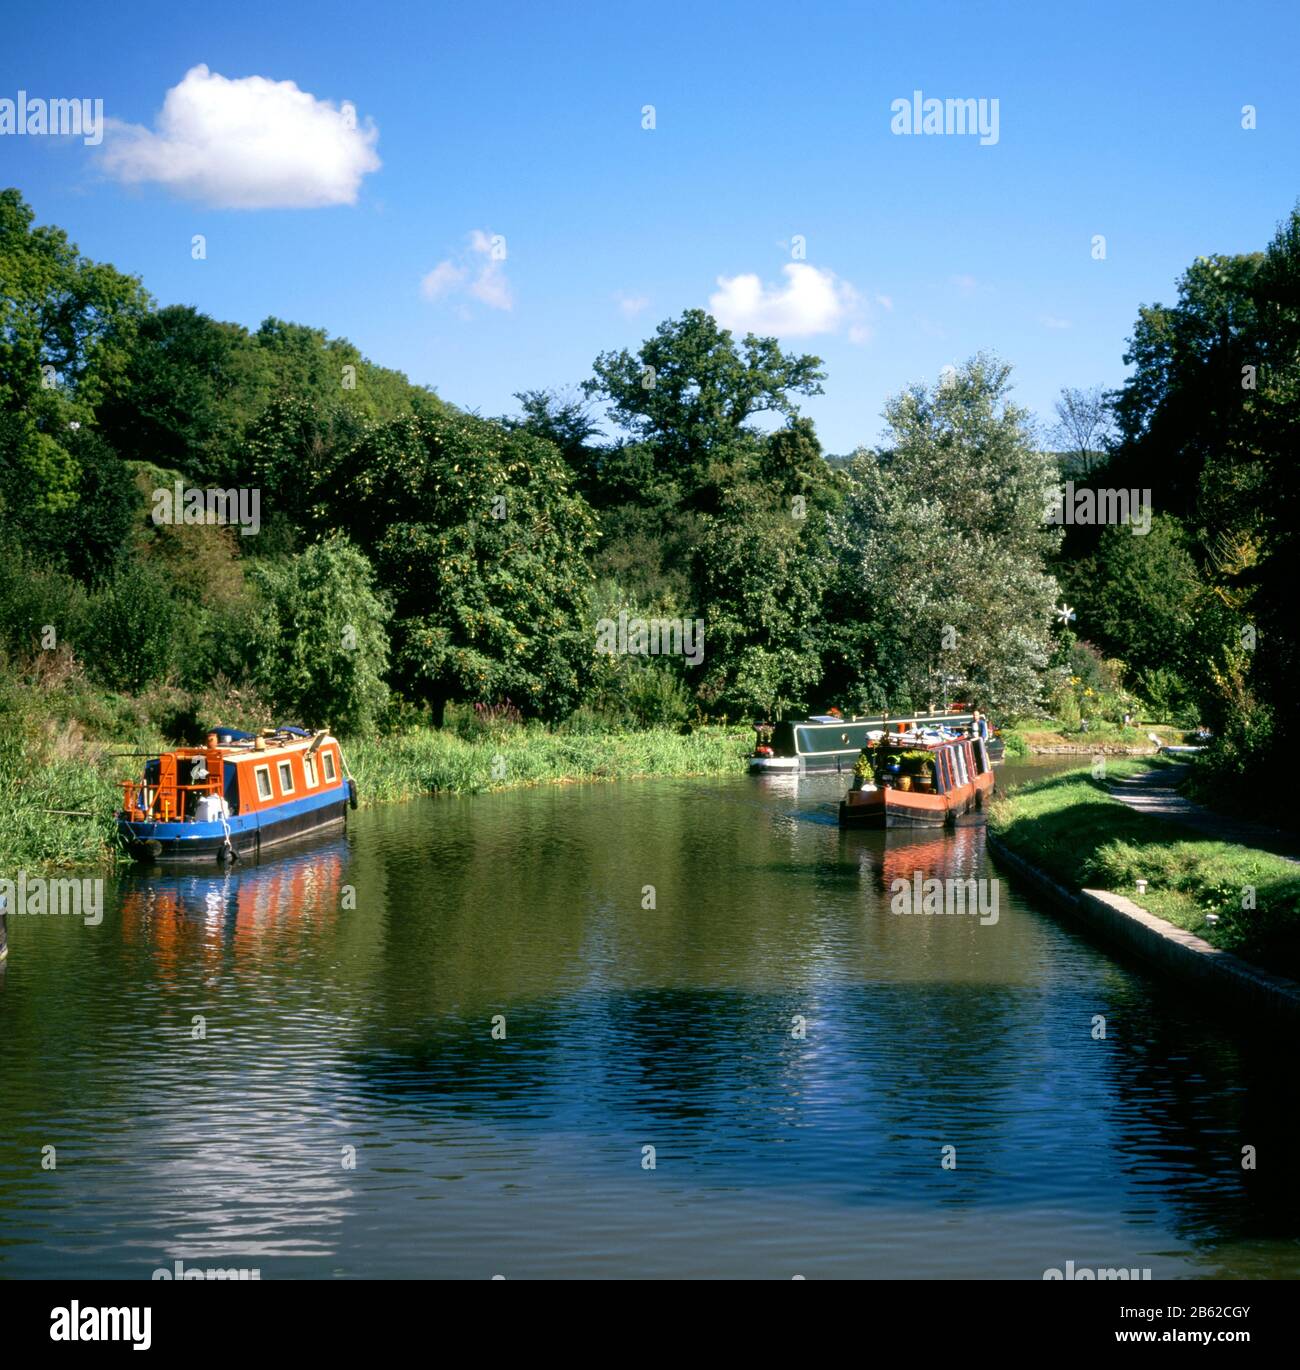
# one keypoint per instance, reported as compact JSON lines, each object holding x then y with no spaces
{"x":1198,"y":607}
{"x":409,"y":558}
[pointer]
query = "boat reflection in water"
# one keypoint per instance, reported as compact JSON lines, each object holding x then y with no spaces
{"x":178,"y":910}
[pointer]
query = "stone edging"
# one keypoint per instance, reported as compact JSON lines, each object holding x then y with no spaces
{"x":1171,"y":950}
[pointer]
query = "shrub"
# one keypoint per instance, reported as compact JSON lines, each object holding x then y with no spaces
{"x":134,"y":629}
{"x":480,"y":721}
{"x":1166,"y":694}
{"x":32,"y":598}
{"x":654,"y":697}
{"x":319,"y":641}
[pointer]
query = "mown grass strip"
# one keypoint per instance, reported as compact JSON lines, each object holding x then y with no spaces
{"x":1069,"y":826}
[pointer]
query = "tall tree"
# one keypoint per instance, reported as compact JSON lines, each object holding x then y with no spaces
{"x":1182,"y":406}
{"x":477,"y":535}
{"x":321,"y":640}
{"x":1085,"y":430}
{"x":945,"y":586}
{"x":689,"y":392}
{"x":67,"y":326}
{"x":762,"y":573}
{"x":62,"y":311}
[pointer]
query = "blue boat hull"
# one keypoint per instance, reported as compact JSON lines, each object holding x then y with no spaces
{"x":250,"y":834}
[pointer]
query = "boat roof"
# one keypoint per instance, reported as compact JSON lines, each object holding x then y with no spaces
{"x":830,"y":721}
{"x":278,"y":743}
{"x":931,"y":740}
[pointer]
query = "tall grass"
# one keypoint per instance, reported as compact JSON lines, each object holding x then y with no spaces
{"x":426,"y":761}
{"x":1069,"y":826}
{"x":57,"y":793}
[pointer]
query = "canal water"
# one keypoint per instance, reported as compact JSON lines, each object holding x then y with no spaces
{"x":660,"y":1028}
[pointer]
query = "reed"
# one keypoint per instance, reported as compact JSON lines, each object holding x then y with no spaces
{"x":33,"y":785}
{"x":428,"y":761}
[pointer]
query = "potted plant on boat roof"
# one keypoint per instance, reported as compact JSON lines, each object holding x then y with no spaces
{"x":918,"y":767}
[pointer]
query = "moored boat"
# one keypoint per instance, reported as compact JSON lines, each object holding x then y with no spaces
{"x":915,"y":780}
{"x":235,"y":796}
{"x":826,"y":742}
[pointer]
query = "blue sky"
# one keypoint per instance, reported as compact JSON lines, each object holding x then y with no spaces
{"x":523,"y":122}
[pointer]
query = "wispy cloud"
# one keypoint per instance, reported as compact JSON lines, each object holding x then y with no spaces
{"x":478,"y":273}
{"x":1051,"y":321}
{"x":632,"y":305}
{"x":247,"y":143}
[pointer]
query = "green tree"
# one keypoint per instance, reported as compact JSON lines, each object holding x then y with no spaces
{"x":321,"y":642}
{"x":476,"y":532}
{"x":688,"y":394}
{"x":133,"y":631}
{"x":1182,"y":406}
{"x":1265,"y":555}
{"x":193,"y":385}
{"x":61,"y":310}
{"x":762,"y":572}
{"x":1143,"y":598}
{"x":944,"y":586}
{"x":67,"y":325}
{"x":88,"y":530}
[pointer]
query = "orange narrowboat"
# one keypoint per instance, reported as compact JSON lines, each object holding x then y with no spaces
{"x":917,"y":780}
{"x":235,"y":796}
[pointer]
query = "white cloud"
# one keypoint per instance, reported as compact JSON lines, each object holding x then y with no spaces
{"x":811,"y":301}
{"x":632,"y":305}
{"x":885,"y":302}
{"x":966,"y":285}
{"x":1051,"y":321}
{"x":479,"y":274}
{"x":249,"y":143}
{"x":443,"y":279}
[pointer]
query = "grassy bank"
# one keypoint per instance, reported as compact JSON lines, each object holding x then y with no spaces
{"x":1030,"y":735}
{"x":1070,"y":827}
{"x":427,"y":761}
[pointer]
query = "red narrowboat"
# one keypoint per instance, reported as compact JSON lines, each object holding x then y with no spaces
{"x":237,"y":795}
{"x":917,"y":780}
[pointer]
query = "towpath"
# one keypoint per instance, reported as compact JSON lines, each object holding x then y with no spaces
{"x":1156,"y":792}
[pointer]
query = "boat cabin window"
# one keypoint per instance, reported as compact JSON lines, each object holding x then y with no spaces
{"x":309,"y":771}
{"x":328,"y":760}
{"x":286,"y":776}
{"x":981,"y":756}
{"x":263,"y":774}
{"x":958,"y":756}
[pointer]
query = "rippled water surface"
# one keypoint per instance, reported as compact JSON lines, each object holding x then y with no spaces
{"x":247,"y":1071}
